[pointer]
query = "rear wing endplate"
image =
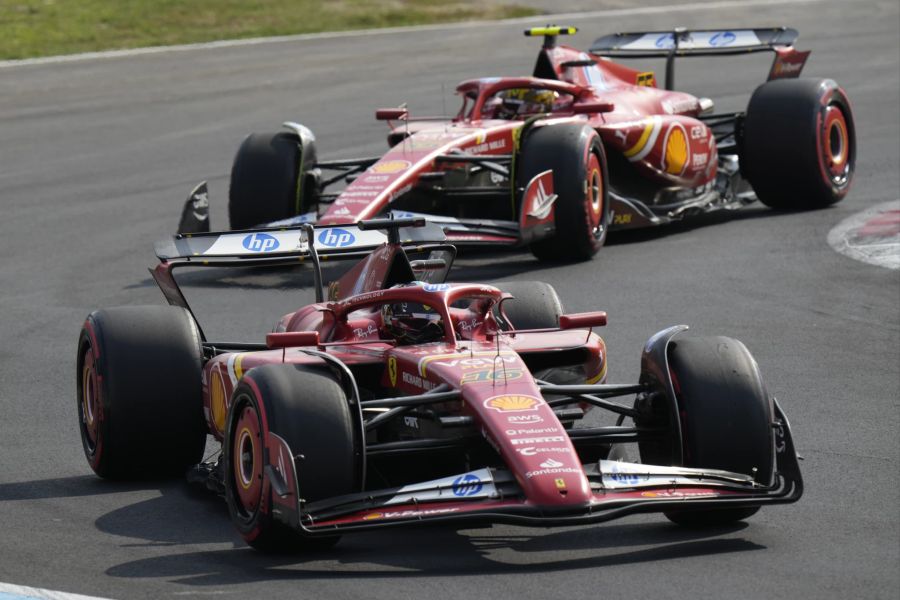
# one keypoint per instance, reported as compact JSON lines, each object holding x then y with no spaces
{"x":696,"y":42}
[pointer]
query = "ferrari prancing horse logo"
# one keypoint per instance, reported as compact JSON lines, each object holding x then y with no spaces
{"x":392,"y":371}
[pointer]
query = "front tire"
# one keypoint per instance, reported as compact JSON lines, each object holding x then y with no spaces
{"x":140,"y":407}
{"x":726,"y":417}
{"x":799,"y":144}
{"x":270,"y":179}
{"x":309,"y":410}
{"x":575,"y":154}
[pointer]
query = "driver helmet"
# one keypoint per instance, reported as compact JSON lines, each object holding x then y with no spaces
{"x":525,"y":101}
{"x":412,"y":322}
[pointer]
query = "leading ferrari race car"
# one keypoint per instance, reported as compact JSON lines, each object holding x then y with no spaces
{"x":553,"y":161}
{"x":400,"y":399}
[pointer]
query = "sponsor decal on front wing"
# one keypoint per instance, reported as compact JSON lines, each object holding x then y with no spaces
{"x":619,"y":475}
{"x":679,"y":494}
{"x":406,"y":514}
{"x":470,"y":486}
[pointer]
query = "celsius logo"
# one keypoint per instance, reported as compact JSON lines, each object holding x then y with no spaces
{"x":466,"y":485}
{"x":336,"y":238}
{"x":260,"y":242}
{"x":722,"y":38}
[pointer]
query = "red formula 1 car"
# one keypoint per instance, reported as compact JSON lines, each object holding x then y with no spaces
{"x":554,"y":160}
{"x":403,"y":400}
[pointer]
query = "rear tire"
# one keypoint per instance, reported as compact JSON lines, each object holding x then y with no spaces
{"x":140,"y":405}
{"x":269,"y":180}
{"x":799,"y":144}
{"x":535,"y":305}
{"x":575,"y":154}
{"x":726,"y":417}
{"x":309,"y":410}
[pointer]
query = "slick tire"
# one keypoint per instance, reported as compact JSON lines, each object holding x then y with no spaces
{"x":140,"y":408}
{"x":726,"y":417}
{"x":535,"y":305}
{"x":309,"y":410}
{"x":575,"y":154}
{"x":798,"y":148}
{"x":266,"y":180}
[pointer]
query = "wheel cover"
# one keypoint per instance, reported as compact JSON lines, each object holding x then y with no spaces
{"x":246,"y":461}
{"x":835,"y":146}
{"x":593,"y":200}
{"x":90,"y":407}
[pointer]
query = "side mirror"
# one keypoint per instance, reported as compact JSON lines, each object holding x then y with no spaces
{"x":292,"y":339}
{"x":589,"y":108}
{"x":583,"y":320}
{"x":391,"y":114}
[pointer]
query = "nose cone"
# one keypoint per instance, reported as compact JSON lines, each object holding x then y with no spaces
{"x":537,"y":449}
{"x":523,"y":429}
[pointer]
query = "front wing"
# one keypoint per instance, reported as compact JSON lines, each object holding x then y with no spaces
{"x":493,"y":495}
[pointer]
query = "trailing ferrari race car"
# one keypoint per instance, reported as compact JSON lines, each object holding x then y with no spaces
{"x":399,"y":399}
{"x":553,"y":161}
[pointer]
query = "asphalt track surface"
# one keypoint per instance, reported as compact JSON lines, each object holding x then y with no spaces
{"x":97,"y":156}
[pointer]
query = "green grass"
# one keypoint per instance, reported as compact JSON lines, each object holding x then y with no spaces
{"x":30,"y":28}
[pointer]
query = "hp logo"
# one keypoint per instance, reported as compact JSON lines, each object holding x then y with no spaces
{"x":260,"y":242}
{"x":723,"y":38}
{"x":466,"y":485}
{"x":336,"y":238}
{"x":666,"y":40}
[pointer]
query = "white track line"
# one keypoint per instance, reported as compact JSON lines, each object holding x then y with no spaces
{"x":9,"y":591}
{"x":556,"y":18}
{"x":883,"y":253}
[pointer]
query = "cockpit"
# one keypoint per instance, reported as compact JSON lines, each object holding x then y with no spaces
{"x":515,"y":98}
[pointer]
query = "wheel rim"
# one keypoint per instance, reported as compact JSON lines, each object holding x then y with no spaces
{"x":594,"y":196}
{"x":836,"y":146}
{"x":89,"y":407}
{"x":247,"y":461}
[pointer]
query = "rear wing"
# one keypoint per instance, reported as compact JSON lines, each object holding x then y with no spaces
{"x":706,"y":42}
{"x":274,"y":243}
{"x":388,"y":239}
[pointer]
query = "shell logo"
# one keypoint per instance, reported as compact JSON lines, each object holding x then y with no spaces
{"x":512,"y":403}
{"x":390,"y":166}
{"x":675,"y":150}
{"x":217,"y":400}
{"x":373,"y":516}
